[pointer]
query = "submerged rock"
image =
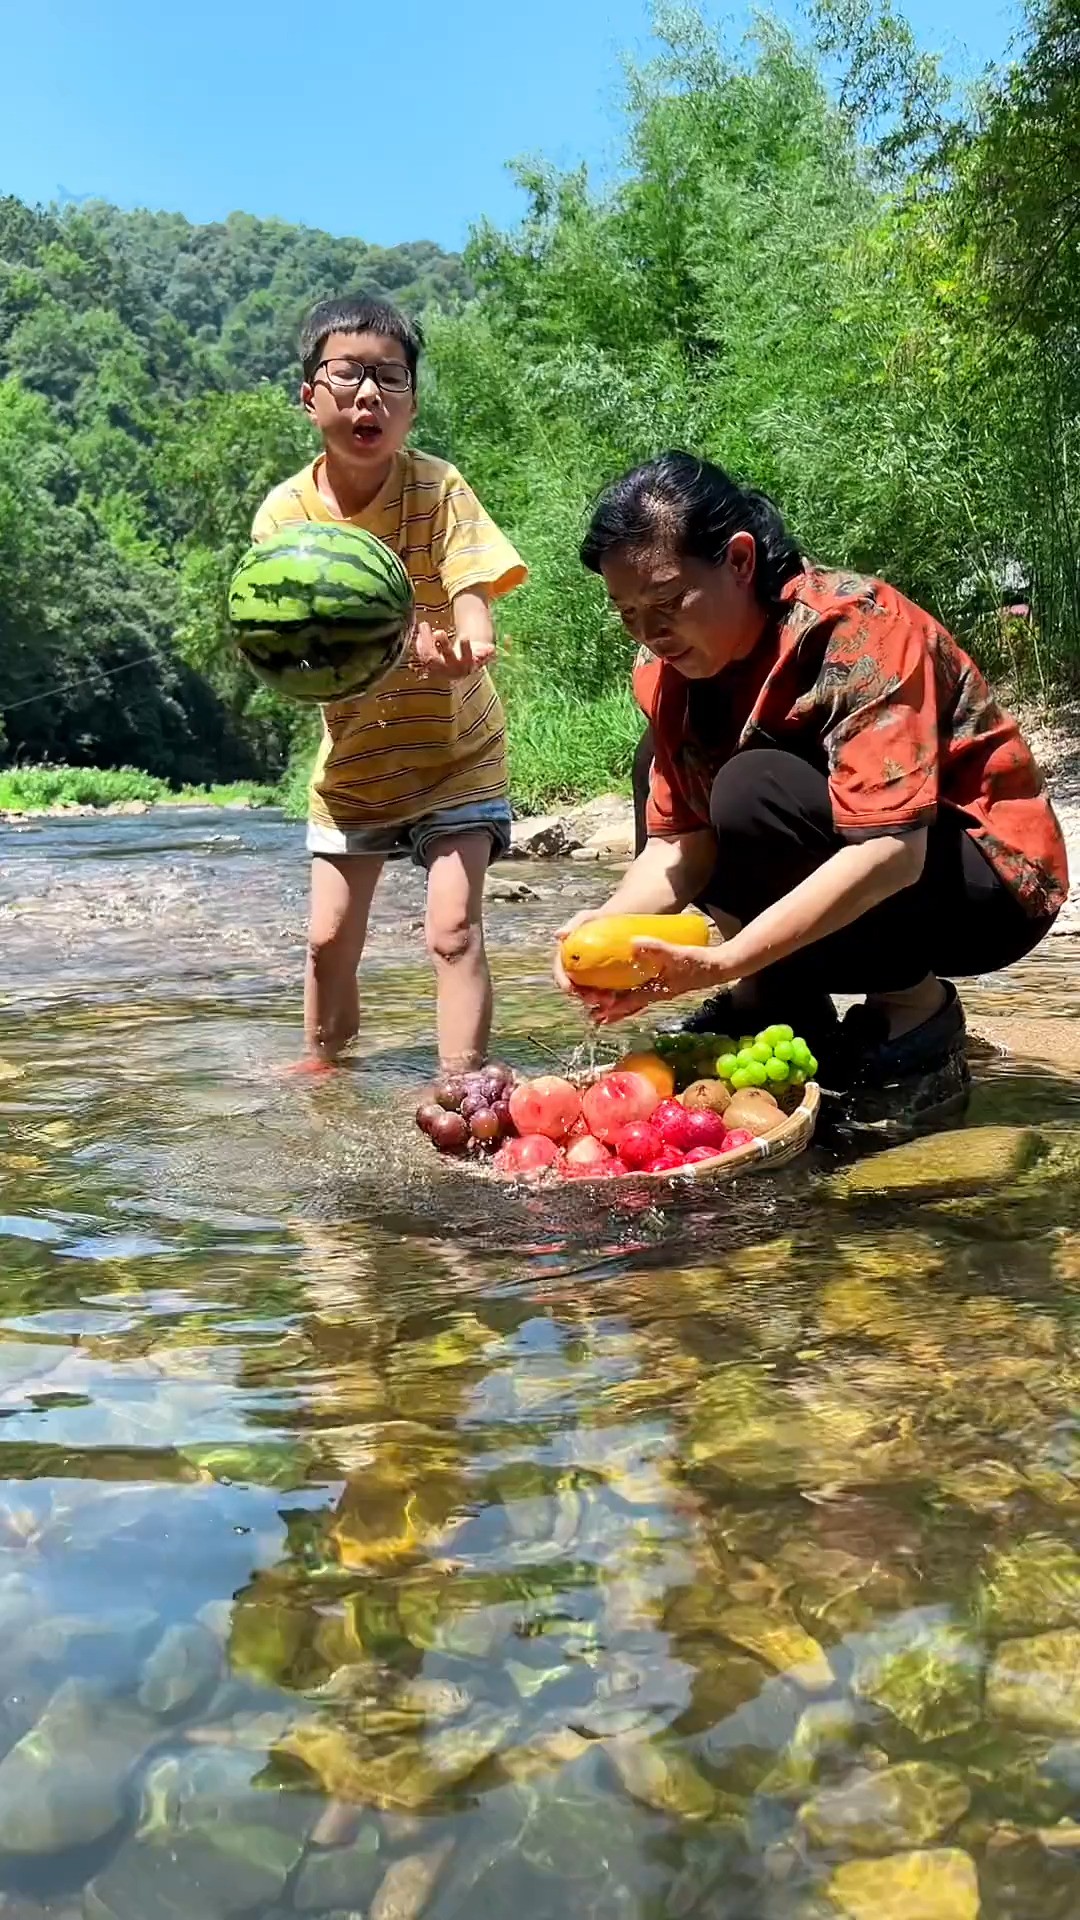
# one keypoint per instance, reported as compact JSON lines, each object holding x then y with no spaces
{"x":1035,"y":1682}
{"x":405,"y":1777}
{"x":210,"y":1874}
{"x":182,"y":1671}
{"x":971,"y":1157}
{"x":903,"y":1806}
{"x":65,"y":1782}
{"x":937,"y":1885}
{"x":663,"y":1778}
{"x":927,"y":1673}
{"x":1030,"y":1587}
{"x":408,"y":1884}
{"x":777,"y":1638}
{"x":340,"y":1877}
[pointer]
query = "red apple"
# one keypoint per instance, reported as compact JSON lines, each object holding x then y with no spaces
{"x":697,"y":1154}
{"x":617,"y":1100}
{"x":546,"y":1105}
{"x":738,"y":1137}
{"x":671,"y":1121}
{"x":639,"y":1144}
{"x":707,"y":1129}
{"x":527,"y":1156}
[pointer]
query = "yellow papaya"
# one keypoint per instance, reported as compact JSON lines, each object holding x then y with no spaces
{"x":599,"y":953}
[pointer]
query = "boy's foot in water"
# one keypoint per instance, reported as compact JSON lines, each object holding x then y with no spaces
{"x":309,"y":1068}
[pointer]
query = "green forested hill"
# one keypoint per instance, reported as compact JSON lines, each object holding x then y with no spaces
{"x":860,"y":294}
{"x":148,"y":367}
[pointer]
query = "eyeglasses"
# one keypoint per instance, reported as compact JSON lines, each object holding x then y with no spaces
{"x":348,"y":376}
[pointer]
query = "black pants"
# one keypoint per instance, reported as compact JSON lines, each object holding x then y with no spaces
{"x":773,"y":822}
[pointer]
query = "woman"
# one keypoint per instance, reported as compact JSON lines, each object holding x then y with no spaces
{"x":830,"y":777}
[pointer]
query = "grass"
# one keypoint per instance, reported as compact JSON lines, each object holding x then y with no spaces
{"x":561,"y":749}
{"x":35,"y":789}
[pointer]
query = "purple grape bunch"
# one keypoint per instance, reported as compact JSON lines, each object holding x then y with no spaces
{"x":469,"y":1112}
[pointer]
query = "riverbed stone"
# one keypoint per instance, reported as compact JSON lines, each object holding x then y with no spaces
{"x":340,"y":1877}
{"x":662,"y":1777}
{"x":182,"y":1670}
{"x":1028,"y":1588}
{"x":65,"y":1783}
{"x":1035,"y":1682}
{"x":209,"y":1874}
{"x":939,"y":1884}
{"x":958,"y":1162}
{"x":547,"y":836}
{"x":926,"y":1672}
{"x":891,"y":1808}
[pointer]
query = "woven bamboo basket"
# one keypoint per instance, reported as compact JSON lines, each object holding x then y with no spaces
{"x":775,"y":1150}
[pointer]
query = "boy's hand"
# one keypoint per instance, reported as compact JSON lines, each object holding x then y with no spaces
{"x":447,"y":656}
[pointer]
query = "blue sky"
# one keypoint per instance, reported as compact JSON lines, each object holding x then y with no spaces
{"x":395,"y":124}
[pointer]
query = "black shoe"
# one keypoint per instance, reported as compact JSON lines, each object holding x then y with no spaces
{"x":882,"y":1091}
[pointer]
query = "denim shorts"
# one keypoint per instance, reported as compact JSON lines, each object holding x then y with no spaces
{"x":396,"y":841}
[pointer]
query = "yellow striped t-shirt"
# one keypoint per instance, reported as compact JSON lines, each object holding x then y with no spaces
{"x":414,"y":744}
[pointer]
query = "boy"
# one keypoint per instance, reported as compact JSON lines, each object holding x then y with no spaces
{"x":418,"y":765}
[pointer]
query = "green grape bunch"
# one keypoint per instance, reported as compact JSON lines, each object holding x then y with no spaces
{"x":773,"y":1058}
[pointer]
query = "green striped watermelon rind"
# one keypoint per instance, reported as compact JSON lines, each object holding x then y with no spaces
{"x":318,"y":667}
{"x":321,"y":612}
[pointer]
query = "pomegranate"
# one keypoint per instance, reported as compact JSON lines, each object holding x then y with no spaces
{"x":707,"y":1130}
{"x":666,"y":1161}
{"x":639,"y":1144}
{"x":672,"y":1122}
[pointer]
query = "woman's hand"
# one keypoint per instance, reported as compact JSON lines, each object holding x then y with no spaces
{"x":679,"y":970}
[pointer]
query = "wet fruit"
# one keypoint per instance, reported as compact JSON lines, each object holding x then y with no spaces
{"x":756,"y":1110}
{"x":639,"y":1145}
{"x":449,"y":1091}
{"x":653,"y":1068}
{"x":711,"y":1094}
{"x":616,"y":1101}
{"x":671,"y":1121}
{"x":428,"y":1115}
{"x":667,"y":1161}
{"x":547,"y":1105}
{"x":738,"y":1137}
{"x":708,"y":1130}
{"x":485,"y":1127}
{"x":697,"y":1154}
{"x":600,"y":953}
{"x":526,"y":1156}
{"x":588,"y":1152}
{"x":450,"y":1133}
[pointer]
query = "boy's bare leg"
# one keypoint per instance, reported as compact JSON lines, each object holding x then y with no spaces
{"x":342,"y":888}
{"x":455,"y":941}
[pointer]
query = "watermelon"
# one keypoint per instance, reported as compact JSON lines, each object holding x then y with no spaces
{"x":321,"y":611}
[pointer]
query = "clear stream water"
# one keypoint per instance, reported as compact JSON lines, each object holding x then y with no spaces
{"x":377,"y":1542}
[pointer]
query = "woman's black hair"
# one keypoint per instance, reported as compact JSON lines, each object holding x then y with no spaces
{"x":694,"y":507}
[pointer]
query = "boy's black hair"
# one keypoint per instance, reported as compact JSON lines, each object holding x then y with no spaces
{"x":697,"y":507}
{"x":357,"y":313}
